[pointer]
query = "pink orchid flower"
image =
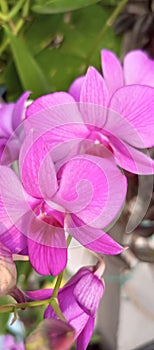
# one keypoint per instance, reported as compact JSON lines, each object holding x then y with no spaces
{"x":11,"y":135}
{"x":127,"y":127}
{"x":122,"y":123}
{"x":78,"y":300}
{"x":80,"y":198}
{"x":137,"y":68}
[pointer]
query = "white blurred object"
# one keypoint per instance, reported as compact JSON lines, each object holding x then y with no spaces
{"x":78,"y":256}
{"x":136,"y":319}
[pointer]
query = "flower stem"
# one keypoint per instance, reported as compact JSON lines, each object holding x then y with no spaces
{"x":12,"y":307}
{"x":56,"y":308}
{"x":52,"y":301}
{"x":107,"y":25}
{"x":15,"y":9}
{"x":26,"y":7}
{"x":57,"y":285}
{"x":18,"y":25}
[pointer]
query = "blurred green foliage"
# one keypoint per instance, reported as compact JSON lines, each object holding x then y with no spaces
{"x":44,"y":52}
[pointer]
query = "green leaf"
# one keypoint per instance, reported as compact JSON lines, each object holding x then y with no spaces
{"x":60,"y":44}
{"x":65,"y":63}
{"x":59,"y":6}
{"x":29,"y":71}
{"x":12,"y":82}
{"x":41,"y":31}
{"x":61,"y":68}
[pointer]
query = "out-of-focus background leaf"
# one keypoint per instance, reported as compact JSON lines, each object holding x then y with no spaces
{"x":57,"y":6}
{"x":27,"y":67}
{"x":51,"y":50}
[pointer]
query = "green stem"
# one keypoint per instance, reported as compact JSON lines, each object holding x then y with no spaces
{"x":4,"y":45}
{"x":26,"y":7}
{"x":18,"y":25}
{"x":12,"y":307}
{"x":108,"y":24}
{"x":57,"y":285}
{"x":69,"y":238}
{"x":52,"y":301}
{"x":15,"y":9}
{"x":55,"y":306}
{"x":25,"y":12}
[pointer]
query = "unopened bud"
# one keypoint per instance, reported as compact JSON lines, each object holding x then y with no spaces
{"x":8,"y":273}
{"x":51,"y":334}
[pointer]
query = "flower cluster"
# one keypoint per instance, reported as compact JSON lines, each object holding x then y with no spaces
{"x":63,"y":174}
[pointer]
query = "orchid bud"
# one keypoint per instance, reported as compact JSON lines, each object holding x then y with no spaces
{"x":51,"y":334}
{"x":8,"y":273}
{"x":89,"y":288}
{"x":78,"y":300}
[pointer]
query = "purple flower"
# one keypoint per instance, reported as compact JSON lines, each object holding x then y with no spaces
{"x":9,"y":343}
{"x":11,"y":116}
{"x":80,"y":198}
{"x":137,"y":68}
{"x":127,"y":124}
{"x":78,"y":300}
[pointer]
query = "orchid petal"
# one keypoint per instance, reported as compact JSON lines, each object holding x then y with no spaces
{"x":47,"y":241}
{"x":138,"y":68}
{"x":13,"y":199}
{"x":61,"y":143}
{"x":6,"y":112}
{"x":71,"y":310}
{"x":32,"y":162}
{"x":90,"y":189}
{"x":58,"y":116}
{"x":86,"y":188}
{"x":92,"y":238}
{"x":112,"y":71}
{"x":47,"y":179}
{"x":47,"y":260}
{"x":93,"y":98}
{"x":19,"y":109}
{"x":16,"y":210}
{"x":93,"y":89}
{"x":10,"y":150}
{"x":75,"y":88}
{"x":85,"y":293}
{"x":134,"y":122}
{"x":47,"y":102}
{"x":41,"y":294}
{"x":131,"y":159}
{"x":14,"y":240}
{"x":85,"y":336}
